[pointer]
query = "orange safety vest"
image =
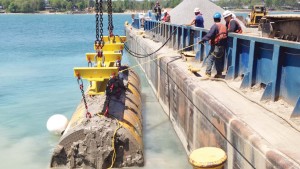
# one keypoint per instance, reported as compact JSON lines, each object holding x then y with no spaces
{"x":166,"y":18}
{"x":221,"y":35}
{"x":237,"y":31}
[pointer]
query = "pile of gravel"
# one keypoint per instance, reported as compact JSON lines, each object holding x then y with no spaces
{"x":184,"y":12}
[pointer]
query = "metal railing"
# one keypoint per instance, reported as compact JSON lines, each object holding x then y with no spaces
{"x":136,"y":22}
{"x":272,"y":64}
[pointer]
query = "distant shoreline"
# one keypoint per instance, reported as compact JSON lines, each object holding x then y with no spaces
{"x":127,"y":12}
{"x":60,"y":13}
{"x":72,"y":13}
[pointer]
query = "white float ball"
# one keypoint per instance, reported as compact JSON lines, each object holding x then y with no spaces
{"x":57,"y":123}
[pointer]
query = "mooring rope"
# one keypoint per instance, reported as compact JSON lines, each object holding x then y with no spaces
{"x":113,"y":145}
{"x":159,"y":57}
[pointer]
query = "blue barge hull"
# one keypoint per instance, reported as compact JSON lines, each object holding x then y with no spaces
{"x":206,"y":113}
{"x":272,"y":63}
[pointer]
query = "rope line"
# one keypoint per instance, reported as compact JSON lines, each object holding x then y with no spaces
{"x":113,"y":140}
{"x":159,"y":57}
{"x":138,"y":55}
{"x":155,"y":26}
{"x":113,"y":144}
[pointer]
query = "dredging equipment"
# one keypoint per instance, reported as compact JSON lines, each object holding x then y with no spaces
{"x":105,"y":130}
{"x":257,"y":12}
{"x":281,"y":26}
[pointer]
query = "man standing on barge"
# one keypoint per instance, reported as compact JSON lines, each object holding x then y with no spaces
{"x":217,"y":37}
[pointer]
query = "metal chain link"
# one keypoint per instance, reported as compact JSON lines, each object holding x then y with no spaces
{"x":80,"y":83}
{"x":97,"y":21}
{"x":110,"y":19}
{"x":101,"y":24}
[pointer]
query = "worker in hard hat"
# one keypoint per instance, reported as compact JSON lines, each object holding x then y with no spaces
{"x":231,"y":24}
{"x":217,"y":37}
{"x":167,"y":17}
{"x":198,"y":21}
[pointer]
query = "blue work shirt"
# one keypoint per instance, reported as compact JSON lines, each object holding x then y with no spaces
{"x":199,"y":21}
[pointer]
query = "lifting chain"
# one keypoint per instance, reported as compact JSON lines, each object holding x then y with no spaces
{"x":99,"y":43}
{"x":97,"y":21}
{"x":101,"y":24}
{"x":110,"y":19}
{"x":80,"y":83}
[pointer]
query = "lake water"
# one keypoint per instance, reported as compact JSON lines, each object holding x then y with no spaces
{"x":37,"y":56}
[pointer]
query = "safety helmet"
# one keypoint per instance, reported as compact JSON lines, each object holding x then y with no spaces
{"x":217,"y":15}
{"x":196,"y":10}
{"x":227,"y":13}
{"x":165,"y":11}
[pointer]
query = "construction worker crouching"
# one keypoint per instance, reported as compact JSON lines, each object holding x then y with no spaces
{"x":114,"y":89}
{"x":231,"y":24}
{"x":115,"y":86}
{"x":217,"y":36}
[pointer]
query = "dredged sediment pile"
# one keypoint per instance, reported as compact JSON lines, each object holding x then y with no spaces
{"x":184,"y":13}
{"x":101,"y":142}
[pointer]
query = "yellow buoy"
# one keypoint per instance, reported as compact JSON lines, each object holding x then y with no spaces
{"x":208,"y":158}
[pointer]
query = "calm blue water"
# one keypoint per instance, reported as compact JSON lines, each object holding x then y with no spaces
{"x":37,"y":56}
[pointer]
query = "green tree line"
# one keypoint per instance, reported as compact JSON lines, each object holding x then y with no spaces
{"x":123,"y":5}
{"x":278,"y":4}
{"x":28,"y":6}
{"x":69,"y":5}
{"x":22,"y":5}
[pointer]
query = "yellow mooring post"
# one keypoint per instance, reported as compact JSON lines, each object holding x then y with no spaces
{"x":208,"y":158}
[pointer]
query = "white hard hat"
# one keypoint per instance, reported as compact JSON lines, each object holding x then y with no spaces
{"x":226,"y":13}
{"x":196,"y":10}
{"x":165,"y":11}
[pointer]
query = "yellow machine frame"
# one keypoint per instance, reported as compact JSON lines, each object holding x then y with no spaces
{"x":258,"y":11}
{"x":118,"y":39}
{"x":99,"y":76}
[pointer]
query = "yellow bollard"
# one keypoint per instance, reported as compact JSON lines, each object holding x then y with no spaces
{"x":208,"y":158}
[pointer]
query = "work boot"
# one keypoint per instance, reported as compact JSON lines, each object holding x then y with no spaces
{"x":218,"y":76}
